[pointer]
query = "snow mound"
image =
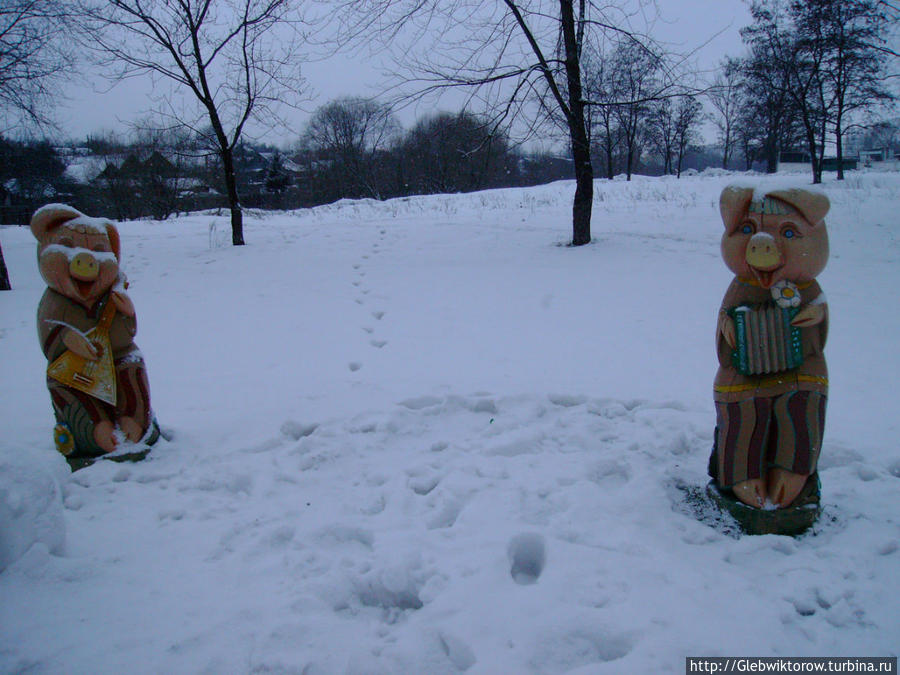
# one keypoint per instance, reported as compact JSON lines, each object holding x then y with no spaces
{"x":31,"y":510}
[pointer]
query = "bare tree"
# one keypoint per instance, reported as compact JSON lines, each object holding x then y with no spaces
{"x":522,"y":60}
{"x":688,"y":115}
{"x":601,"y":84}
{"x":661,"y":132}
{"x":852,"y":35}
{"x":35,"y":57}
{"x":350,"y":133}
{"x":883,"y":134}
{"x":638,"y":71}
{"x":453,"y":153}
{"x":830,"y":54}
{"x":802,"y":51}
{"x":671,"y":126}
{"x":236,"y":60}
{"x":768,"y":115}
{"x":725,"y":97}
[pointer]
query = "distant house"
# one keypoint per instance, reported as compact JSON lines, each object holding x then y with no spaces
{"x":869,"y":157}
{"x":794,"y":157}
{"x":794,"y":161}
{"x":797,"y":161}
{"x":159,"y":165}
{"x":882,"y":158}
{"x":831,"y":163}
{"x":132,"y":168}
{"x":133,"y":187}
{"x":110,"y":173}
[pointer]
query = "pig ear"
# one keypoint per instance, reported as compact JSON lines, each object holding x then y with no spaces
{"x":114,"y":241}
{"x":50,"y":216}
{"x":813,"y":205}
{"x":733,"y":204}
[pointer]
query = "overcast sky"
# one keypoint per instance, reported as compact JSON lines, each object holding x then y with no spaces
{"x":685,"y":25}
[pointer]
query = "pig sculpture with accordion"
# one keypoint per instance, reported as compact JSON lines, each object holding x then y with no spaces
{"x":86,"y":325}
{"x":772,"y":383}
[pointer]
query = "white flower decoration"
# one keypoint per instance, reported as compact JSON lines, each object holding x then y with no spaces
{"x":786,"y":294}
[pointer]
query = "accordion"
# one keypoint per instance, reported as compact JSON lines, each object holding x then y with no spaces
{"x":766,"y":340}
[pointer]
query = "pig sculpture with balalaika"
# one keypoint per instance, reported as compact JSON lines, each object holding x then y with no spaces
{"x":86,"y":325}
{"x":772,"y":384}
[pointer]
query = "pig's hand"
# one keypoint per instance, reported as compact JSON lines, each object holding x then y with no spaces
{"x":726,"y":329}
{"x":79,"y":344}
{"x":123,"y":303}
{"x":810,"y":315}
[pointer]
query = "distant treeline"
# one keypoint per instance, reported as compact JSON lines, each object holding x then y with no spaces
{"x":157,"y":175}
{"x":351,"y":148}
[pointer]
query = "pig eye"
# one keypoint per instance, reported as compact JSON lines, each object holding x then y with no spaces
{"x":747,"y":229}
{"x":789,"y":233}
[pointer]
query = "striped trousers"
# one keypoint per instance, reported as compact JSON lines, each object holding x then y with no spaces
{"x":757,"y":434}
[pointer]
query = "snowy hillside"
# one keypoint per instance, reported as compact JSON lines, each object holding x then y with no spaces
{"x":423,"y":436}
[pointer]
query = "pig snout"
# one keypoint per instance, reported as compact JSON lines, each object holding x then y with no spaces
{"x":84,"y":267}
{"x":762,"y":252}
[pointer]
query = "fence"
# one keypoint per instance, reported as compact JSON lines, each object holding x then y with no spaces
{"x":15,"y":215}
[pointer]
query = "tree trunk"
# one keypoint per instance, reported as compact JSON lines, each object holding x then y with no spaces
{"x":584,"y":196}
{"x":234,"y":202}
{"x":839,"y":142}
{"x":727,"y":149}
{"x":608,"y":149}
{"x":4,"y":275}
{"x":581,"y":148}
{"x":771,"y":155}
{"x":814,"y":157}
{"x":226,"y":154}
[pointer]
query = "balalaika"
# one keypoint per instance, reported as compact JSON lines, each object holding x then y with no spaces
{"x":766,"y":340}
{"x":96,"y":378}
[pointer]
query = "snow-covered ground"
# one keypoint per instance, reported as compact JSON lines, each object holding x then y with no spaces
{"x":424,"y":436}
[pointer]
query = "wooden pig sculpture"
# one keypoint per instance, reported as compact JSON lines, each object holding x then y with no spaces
{"x":771,"y":388}
{"x":86,"y":325}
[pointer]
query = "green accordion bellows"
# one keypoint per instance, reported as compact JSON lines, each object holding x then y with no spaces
{"x":766,"y":340}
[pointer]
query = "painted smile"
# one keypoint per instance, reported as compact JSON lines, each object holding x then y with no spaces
{"x":84,"y":288}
